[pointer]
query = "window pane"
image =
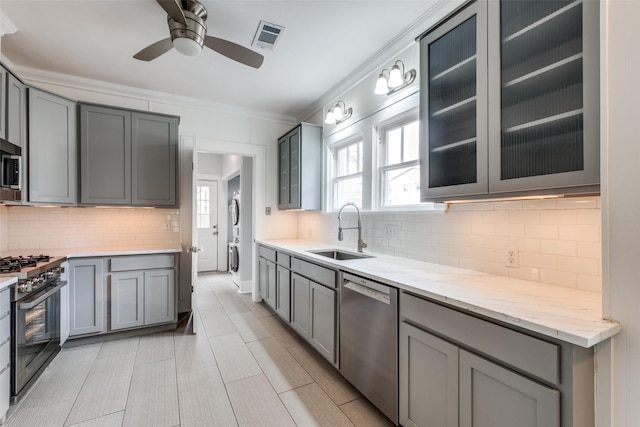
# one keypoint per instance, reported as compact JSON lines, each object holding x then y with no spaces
{"x":202,"y":207}
{"x":347,"y":190}
{"x":394,"y":146}
{"x":360,"y":156}
{"x":402,"y":186}
{"x":353,"y":158}
{"x":342,"y":162}
{"x":411,"y":144}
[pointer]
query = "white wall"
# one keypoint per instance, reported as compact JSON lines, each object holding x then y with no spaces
{"x":209,"y":164}
{"x":4,"y":228}
{"x":621,"y":207}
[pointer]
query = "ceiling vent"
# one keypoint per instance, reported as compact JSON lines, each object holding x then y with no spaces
{"x":267,"y":35}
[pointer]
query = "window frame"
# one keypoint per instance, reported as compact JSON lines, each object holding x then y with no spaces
{"x":398,"y":121}
{"x":366,"y":127}
{"x":354,"y":139}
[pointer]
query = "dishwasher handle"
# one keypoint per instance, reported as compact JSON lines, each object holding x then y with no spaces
{"x":367,"y":288}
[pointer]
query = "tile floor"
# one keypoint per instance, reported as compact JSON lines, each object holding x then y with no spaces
{"x":244,"y":367}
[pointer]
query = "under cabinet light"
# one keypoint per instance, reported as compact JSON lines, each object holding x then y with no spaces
{"x":338,"y":113}
{"x":396,"y":80}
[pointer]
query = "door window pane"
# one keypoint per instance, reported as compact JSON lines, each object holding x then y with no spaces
{"x":203,"y":206}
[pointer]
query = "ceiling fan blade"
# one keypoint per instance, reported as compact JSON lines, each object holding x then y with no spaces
{"x":153,"y":51}
{"x":234,"y":51}
{"x":174,"y":10}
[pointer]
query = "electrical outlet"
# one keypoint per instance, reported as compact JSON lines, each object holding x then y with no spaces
{"x":267,"y":210}
{"x":511,"y":259}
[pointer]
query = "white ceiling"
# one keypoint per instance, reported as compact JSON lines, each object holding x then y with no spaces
{"x":324,"y":41}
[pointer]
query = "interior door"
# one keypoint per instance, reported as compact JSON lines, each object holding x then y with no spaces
{"x":194,"y":249}
{"x":207,"y":224}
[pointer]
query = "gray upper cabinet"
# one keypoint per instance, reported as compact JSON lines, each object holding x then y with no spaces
{"x":127,"y":158}
{"x":105,"y":155}
{"x":510,"y":101}
{"x":154,"y":151}
{"x":3,"y":102}
{"x":299,"y":168}
{"x":453,"y":99}
{"x":52,"y":149}
{"x":16,"y":124}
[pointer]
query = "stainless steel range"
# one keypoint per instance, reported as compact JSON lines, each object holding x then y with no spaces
{"x":35,"y":316}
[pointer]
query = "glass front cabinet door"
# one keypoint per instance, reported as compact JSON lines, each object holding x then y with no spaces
{"x":537,"y":126}
{"x":453,"y":99}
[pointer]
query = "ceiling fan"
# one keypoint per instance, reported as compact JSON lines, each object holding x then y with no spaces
{"x":188,"y":29}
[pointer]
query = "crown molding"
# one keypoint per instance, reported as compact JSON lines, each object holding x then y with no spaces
{"x":35,"y":76}
{"x":399,"y":43}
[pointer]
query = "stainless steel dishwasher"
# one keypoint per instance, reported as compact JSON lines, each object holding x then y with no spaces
{"x":369,"y":341}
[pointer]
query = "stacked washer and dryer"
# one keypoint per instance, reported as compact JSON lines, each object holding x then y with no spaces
{"x":234,"y":245}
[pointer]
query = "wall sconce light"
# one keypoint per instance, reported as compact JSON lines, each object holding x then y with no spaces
{"x":395,"y":81}
{"x":338,"y":113}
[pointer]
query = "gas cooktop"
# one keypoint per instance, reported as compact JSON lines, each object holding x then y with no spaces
{"x":25,"y":267}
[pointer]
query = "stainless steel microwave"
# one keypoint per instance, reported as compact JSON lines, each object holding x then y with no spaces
{"x":10,"y":171}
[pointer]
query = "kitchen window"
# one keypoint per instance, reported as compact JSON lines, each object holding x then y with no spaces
{"x":346,"y":181}
{"x":375,"y":161}
{"x":399,"y":170}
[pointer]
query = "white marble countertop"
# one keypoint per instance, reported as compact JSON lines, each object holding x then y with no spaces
{"x":97,"y":251}
{"x":7,"y":281}
{"x":567,"y":314}
{"x":102,"y":252}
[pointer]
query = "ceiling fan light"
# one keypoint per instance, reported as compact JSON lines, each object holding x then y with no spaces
{"x":187,"y":46}
{"x":395,"y":77}
{"x":381,"y":85}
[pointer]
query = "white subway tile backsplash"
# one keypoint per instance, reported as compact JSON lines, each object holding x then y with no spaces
{"x":559,"y":240}
{"x":32,"y":228}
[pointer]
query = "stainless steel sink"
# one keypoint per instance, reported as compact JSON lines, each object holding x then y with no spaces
{"x":340,"y":255}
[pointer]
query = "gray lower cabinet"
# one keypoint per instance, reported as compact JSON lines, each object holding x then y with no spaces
{"x":283,"y":292}
{"x":428,"y":379}
{"x":300,"y":304}
{"x":492,"y":396}
{"x":127,"y":299}
{"x":267,"y":281}
{"x":52,"y":149}
{"x":274,"y":280}
{"x":314,"y":307}
{"x":87,"y":296}
{"x":5,"y":353}
{"x":459,"y":370}
{"x":323,"y":320}
{"x":127,"y":157}
{"x":143,"y":290}
{"x":159,"y":296}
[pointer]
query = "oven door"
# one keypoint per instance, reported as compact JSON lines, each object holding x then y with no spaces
{"x":36,"y":335}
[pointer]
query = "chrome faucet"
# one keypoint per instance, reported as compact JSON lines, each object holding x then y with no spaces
{"x":361,"y":244}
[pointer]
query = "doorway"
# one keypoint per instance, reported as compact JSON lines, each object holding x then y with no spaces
{"x":207,"y":224}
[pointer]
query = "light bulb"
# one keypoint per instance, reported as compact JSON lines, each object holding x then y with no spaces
{"x":395,"y":77}
{"x":381,"y":85}
{"x":187,"y":46}
{"x":337,"y":112}
{"x":330,"y":119}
